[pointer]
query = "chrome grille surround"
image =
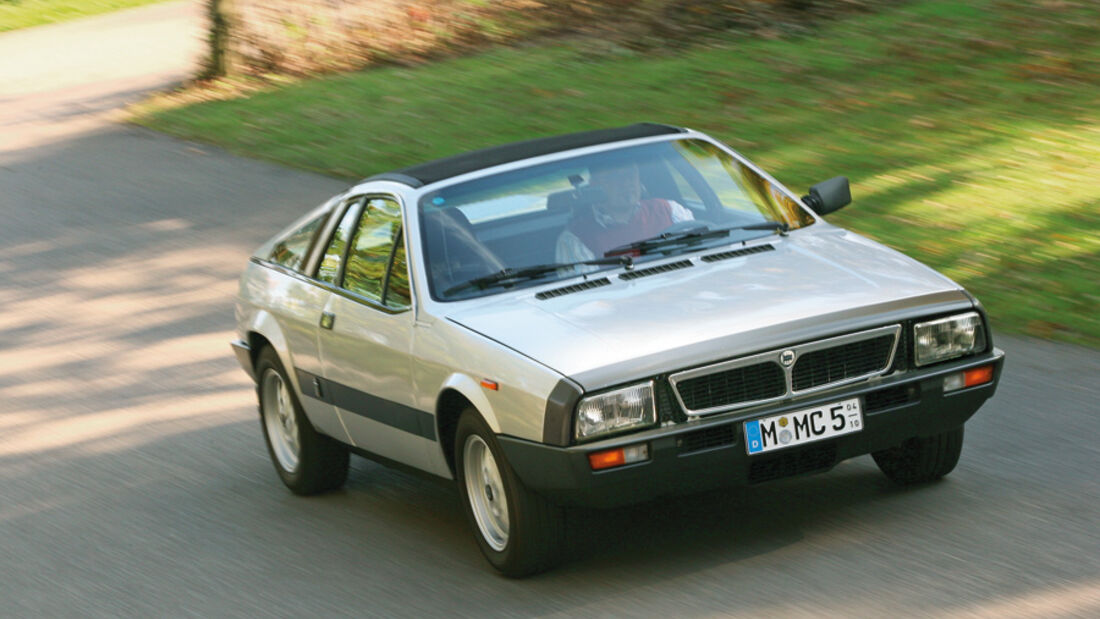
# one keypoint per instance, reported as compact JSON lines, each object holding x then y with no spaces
{"x":777,"y":358}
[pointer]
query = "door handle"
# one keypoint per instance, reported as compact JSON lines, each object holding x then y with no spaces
{"x":327,"y":319}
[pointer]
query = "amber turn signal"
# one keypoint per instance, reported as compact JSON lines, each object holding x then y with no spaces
{"x":606,"y":459}
{"x":599,"y":460}
{"x":978,"y":376}
{"x":968,"y":378}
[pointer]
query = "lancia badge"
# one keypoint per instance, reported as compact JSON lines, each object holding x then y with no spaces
{"x":786,"y":358}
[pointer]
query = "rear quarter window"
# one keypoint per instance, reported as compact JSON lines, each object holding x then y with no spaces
{"x":291,"y":249}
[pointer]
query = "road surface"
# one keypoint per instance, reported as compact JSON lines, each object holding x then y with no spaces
{"x":134,"y":480}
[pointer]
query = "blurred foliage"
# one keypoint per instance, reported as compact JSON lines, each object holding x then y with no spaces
{"x":971,"y":131}
{"x":16,"y":14}
{"x":300,"y":37}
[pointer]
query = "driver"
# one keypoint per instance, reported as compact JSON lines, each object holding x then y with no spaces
{"x":619,"y":217}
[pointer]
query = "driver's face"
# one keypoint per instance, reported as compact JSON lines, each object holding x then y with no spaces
{"x":622,"y":187}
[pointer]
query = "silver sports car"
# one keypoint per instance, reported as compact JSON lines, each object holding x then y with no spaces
{"x":597,"y":319}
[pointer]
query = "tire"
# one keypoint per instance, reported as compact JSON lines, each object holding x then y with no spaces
{"x":921,"y":459}
{"x":519,"y":535}
{"x":308,"y":462}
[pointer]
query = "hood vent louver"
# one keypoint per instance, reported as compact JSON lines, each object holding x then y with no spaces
{"x":564,"y":290}
{"x":737,"y":253}
{"x":664,"y":268}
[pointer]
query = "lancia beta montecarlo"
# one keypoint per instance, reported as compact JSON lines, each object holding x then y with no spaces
{"x":597,"y":319}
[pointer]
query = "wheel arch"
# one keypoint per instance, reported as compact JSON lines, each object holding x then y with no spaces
{"x":458,"y":393}
{"x":257,"y":342}
{"x":263,"y":330}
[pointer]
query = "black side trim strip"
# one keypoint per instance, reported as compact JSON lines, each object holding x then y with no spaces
{"x":393,"y":414}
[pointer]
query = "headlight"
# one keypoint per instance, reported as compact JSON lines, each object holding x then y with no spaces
{"x":948,"y":338}
{"x":628,"y":407}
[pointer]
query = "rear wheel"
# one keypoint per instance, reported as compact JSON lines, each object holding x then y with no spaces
{"x":518,"y":531}
{"x":308,"y":462}
{"x":921,"y":459}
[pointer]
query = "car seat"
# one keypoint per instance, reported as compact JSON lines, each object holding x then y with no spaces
{"x":454,"y":253}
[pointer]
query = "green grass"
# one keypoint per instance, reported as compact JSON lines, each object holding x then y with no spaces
{"x":15,"y":14}
{"x":971,"y":133}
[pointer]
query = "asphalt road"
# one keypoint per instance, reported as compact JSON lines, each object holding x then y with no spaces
{"x":134,"y":480}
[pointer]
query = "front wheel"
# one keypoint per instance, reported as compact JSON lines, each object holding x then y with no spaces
{"x":921,"y":459}
{"x":518,"y":531}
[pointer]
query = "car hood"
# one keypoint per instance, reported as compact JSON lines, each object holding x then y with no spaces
{"x":814,"y":283}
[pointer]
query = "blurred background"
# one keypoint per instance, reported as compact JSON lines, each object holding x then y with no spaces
{"x":970,"y":130}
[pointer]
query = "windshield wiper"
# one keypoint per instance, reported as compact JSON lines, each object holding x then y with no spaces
{"x":622,"y":255}
{"x":690,"y":236}
{"x":509,"y":276}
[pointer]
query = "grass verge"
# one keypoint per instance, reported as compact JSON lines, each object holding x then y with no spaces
{"x":971,"y":131}
{"x":16,"y":14}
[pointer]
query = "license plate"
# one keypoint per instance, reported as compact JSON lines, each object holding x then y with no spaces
{"x":804,"y":426}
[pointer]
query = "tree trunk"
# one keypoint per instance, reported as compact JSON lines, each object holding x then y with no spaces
{"x":217,"y":64}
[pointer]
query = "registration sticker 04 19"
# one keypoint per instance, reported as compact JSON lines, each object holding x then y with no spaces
{"x":804,"y":426}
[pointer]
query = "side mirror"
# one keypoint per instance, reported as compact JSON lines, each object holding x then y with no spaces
{"x":828,"y":196}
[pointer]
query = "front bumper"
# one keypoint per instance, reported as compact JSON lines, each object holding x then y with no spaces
{"x":710,"y":452}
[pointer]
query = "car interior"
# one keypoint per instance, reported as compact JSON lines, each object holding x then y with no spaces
{"x":460,"y":249}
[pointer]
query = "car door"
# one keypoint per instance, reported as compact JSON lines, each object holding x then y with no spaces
{"x":366,"y":337}
{"x":298,"y":302}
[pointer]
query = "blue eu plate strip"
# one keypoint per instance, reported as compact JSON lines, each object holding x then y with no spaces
{"x":752,"y":437}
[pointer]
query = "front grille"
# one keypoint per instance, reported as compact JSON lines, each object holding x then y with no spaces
{"x":708,"y":438}
{"x":838,"y":363}
{"x":745,"y":384}
{"x":798,"y":461}
{"x":763,"y":376}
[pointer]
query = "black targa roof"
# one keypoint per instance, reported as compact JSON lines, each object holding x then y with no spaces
{"x":448,"y":167}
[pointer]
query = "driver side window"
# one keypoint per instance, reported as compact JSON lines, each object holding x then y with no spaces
{"x":376,"y":268}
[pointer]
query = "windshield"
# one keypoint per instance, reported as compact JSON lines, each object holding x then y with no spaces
{"x":600,"y":211}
